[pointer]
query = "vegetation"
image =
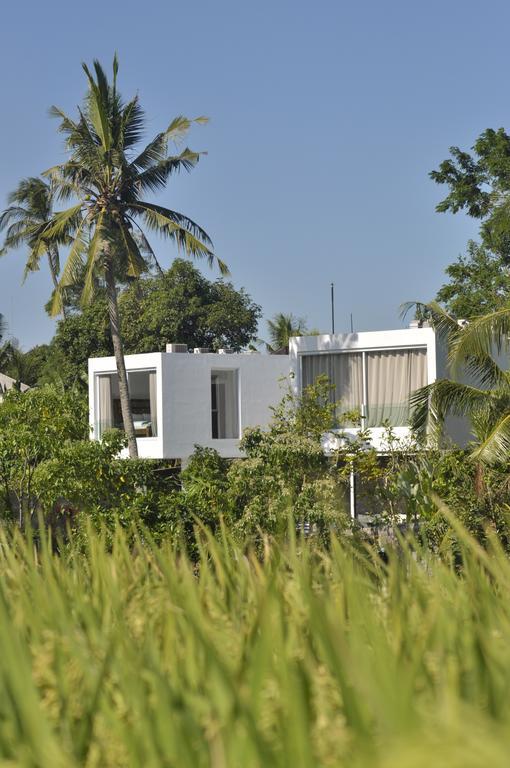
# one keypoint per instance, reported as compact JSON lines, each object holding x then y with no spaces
{"x":132,"y":655}
{"x":478,"y":283}
{"x":485,"y":398}
{"x":480,"y":185}
{"x":26,"y":219}
{"x":281,"y":328}
{"x":107,"y":180}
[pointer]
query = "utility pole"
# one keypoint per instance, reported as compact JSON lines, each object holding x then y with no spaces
{"x":332,"y":307}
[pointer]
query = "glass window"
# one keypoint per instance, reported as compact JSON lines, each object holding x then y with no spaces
{"x":392,"y":376}
{"x":143,"y":398}
{"x":224,"y":405}
{"x":344,"y":371}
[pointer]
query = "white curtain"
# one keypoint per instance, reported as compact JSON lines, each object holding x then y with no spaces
{"x":105,"y":420}
{"x":227,"y":403}
{"x":153,"y":394}
{"x":344,"y":371}
{"x":392,"y":377}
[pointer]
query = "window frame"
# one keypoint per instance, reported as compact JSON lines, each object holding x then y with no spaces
{"x":235,"y":372}
{"x":97,"y":414}
{"x":364,"y":351}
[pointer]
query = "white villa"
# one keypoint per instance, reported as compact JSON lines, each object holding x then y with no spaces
{"x":180,"y":400}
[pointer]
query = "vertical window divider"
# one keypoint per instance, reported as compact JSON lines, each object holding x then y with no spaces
{"x":364,"y":404}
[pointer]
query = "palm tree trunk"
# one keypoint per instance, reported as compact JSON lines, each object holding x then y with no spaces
{"x":125,"y":404}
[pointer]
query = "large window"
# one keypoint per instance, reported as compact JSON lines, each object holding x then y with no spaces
{"x":377,"y":383}
{"x":224,"y":405}
{"x":345,"y":373}
{"x":142,"y":395}
{"x":392,"y":376}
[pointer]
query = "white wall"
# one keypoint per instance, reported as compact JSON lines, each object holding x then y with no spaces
{"x":184,"y":397}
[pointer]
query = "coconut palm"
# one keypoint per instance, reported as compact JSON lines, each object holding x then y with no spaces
{"x":108,"y":179}
{"x":29,"y":212}
{"x":473,"y":349}
{"x":281,"y":328}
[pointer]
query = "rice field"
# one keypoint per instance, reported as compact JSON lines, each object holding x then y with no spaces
{"x":128,"y":654}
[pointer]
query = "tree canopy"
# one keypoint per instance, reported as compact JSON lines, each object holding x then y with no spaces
{"x":478,"y":283}
{"x":179,"y":305}
{"x":479,"y":184}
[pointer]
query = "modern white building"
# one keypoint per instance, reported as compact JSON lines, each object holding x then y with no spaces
{"x":180,"y":399}
{"x":374,"y":373}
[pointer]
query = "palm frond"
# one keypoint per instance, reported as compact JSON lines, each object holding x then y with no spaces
{"x":481,"y":337}
{"x":155,"y":177}
{"x":159,"y":217}
{"x":97,"y":110}
{"x":180,"y":126}
{"x":496,"y":447}
{"x":61,"y":222}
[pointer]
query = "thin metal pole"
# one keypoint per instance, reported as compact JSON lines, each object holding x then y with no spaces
{"x":352,"y":494}
{"x":332,"y":307}
{"x":352,"y":328}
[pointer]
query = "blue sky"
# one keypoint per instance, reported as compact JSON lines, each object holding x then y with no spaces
{"x":325,"y":121}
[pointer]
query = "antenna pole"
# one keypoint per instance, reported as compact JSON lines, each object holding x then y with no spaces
{"x":332,"y":307}
{"x":352,"y":329}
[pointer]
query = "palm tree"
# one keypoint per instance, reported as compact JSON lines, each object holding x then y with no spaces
{"x":108,"y":180}
{"x":29,"y":212}
{"x":281,"y":328}
{"x":472,"y":349}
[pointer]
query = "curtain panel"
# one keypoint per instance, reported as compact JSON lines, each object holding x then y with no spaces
{"x":392,"y":376}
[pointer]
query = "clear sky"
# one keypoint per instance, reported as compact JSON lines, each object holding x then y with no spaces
{"x":326,"y":118}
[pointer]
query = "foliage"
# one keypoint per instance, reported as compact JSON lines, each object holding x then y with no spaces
{"x":473,"y":352}
{"x":478,"y":283}
{"x":182,"y":305}
{"x":132,"y":655}
{"x":285,"y":469}
{"x":281,"y":328}
{"x":479,"y":183}
{"x":25,"y":220}
{"x":179,"y":304}
{"x":49,"y":466}
{"x":34,"y":427}
{"x":108,"y":179}
{"x":80,"y":336}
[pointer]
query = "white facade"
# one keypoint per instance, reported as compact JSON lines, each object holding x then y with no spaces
{"x":406,"y":348}
{"x":183,"y":398}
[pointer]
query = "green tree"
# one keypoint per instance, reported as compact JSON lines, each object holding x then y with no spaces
{"x":33,"y":427}
{"x":109,"y":181}
{"x":25,"y":220}
{"x":479,"y":184}
{"x":177,"y":305}
{"x":181,"y":305}
{"x":472,"y":353}
{"x":281,"y":328}
{"x":478,"y":283}
{"x":80,"y":336}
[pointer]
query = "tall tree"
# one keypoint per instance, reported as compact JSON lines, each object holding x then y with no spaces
{"x":25,"y":220}
{"x":109,"y":180}
{"x":281,"y":328}
{"x":479,"y":283}
{"x":479,"y":183}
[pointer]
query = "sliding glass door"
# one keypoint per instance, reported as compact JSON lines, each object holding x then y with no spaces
{"x":376,"y":383}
